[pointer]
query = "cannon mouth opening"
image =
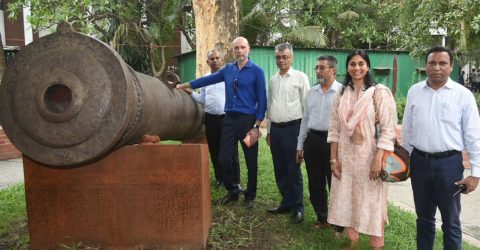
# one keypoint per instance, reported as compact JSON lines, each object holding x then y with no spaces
{"x":57,"y":98}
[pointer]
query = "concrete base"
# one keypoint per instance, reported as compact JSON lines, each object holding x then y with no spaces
{"x":150,"y":197}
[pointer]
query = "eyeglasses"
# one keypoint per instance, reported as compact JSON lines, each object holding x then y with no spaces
{"x":322,"y":68}
{"x":235,"y":83}
{"x":278,"y":58}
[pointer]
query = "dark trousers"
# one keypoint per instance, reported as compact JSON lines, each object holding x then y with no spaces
{"x":433,"y":185}
{"x":213,"y":131}
{"x":317,"y":160}
{"x":235,"y":128}
{"x":288,"y":174}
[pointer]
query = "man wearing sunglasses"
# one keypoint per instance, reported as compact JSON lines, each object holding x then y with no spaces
{"x":245,"y":106}
{"x":287,"y":91}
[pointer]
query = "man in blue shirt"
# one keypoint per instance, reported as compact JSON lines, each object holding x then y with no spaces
{"x":245,"y":105}
{"x":212,"y":98}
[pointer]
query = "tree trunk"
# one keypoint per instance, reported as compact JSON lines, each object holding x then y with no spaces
{"x":216,"y":25}
{"x":3,"y":62}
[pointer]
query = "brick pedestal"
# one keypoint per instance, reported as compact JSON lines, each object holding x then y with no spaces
{"x":150,"y":197}
{"x":7,"y":150}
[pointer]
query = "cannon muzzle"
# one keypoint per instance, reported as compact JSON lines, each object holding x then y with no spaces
{"x":69,"y":99}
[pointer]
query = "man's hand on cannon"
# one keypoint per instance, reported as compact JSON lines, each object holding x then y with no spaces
{"x":185,"y":87}
{"x":149,"y":139}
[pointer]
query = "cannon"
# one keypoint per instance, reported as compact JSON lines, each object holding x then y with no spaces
{"x":69,"y":99}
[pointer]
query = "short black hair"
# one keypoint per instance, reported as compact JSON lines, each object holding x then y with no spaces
{"x":332,"y":61}
{"x":440,"y":49}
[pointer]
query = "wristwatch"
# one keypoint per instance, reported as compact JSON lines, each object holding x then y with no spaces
{"x":256,"y":126}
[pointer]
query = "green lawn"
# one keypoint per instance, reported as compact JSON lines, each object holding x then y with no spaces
{"x":235,"y":227}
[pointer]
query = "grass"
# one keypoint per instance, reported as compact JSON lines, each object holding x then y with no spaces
{"x":235,"y":227}
{"x":13,"y":218}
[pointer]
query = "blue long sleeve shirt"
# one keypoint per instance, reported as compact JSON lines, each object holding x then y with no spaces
{"x":245,"y":89}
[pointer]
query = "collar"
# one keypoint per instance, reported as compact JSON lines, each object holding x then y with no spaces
{"x":335,"y":87}
{"x":449,"y":85}
{"x":248,"y":65}
{"x":289,"y":72}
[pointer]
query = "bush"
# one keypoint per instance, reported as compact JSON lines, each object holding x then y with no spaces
{"x":477,"y":99}
{"x":401,"y":101}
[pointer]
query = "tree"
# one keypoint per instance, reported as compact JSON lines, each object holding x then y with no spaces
{"x":216,"y":25}
{"x":322,"y":23}
{"x":138,"y":30}
{"x":3,"y":62}
{"x":461,"y":19}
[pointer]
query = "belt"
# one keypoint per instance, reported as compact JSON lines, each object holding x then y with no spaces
{"x":216,"y":116}
{"x":318,"y":132}
{"x":284,"y":124}
{"x":438,"y":155}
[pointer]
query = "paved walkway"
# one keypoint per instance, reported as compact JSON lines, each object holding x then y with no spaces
{"x":11,"y":172}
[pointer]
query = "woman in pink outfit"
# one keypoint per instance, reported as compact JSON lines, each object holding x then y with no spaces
{"x":358,"y":198}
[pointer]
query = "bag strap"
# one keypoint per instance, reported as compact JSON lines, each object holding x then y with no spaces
{"x":377,"y":123}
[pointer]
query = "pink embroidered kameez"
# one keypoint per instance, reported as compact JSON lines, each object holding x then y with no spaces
{"x":355,"y":200}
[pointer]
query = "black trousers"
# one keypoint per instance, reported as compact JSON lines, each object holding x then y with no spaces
{"x":213,"y":131}
{"x":317,"y":160}
{"x":235,"y":128}
{"x":288,"y":174}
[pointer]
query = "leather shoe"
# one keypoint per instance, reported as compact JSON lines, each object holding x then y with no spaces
{"x":297,"y":217}
{"x":279,"y":210}
{"x":248,"y":204}
{"x":228,"y":198}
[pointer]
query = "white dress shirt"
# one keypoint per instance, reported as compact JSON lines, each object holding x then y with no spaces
{"x":318,"y":110}
{"x":442,"y":120}
{"x":286,"y":96}
{"x":212,"y":98}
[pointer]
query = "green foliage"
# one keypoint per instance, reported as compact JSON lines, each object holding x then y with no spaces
{"x":138,"y":30}
{"x":477,"y":99}
{"x":12,"y":206}
{"x":321,"y":23}
{"x":459,"y":18}
{"x":401,"y":102}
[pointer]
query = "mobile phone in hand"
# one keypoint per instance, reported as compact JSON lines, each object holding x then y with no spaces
{"x":461,"y":188}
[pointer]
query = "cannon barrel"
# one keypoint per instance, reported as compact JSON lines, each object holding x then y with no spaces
{"x":69,"y":99}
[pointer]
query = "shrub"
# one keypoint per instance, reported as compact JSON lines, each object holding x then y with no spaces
{"x":401,"y":101}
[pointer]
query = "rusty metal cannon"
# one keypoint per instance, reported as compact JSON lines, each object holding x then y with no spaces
{"x":69,"y":98}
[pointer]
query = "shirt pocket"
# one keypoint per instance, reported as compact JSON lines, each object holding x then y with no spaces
{"x":294,"y":93}
{"x":450,"y":113}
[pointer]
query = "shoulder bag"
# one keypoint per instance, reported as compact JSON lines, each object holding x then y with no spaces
{"x":396,"y":164}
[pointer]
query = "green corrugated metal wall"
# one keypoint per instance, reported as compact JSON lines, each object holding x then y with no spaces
{"x":410,"y":70}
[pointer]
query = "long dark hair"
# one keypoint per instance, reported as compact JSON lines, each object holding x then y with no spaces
{"x":367,"y":81}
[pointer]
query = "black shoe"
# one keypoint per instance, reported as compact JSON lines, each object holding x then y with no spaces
{"x":297,"y":217}
{"x":241,"y":189}
{"x":228,"y":198}
{"x":248,"y":204}
{"x":218,"y":184}
{"x":279,"y":210}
